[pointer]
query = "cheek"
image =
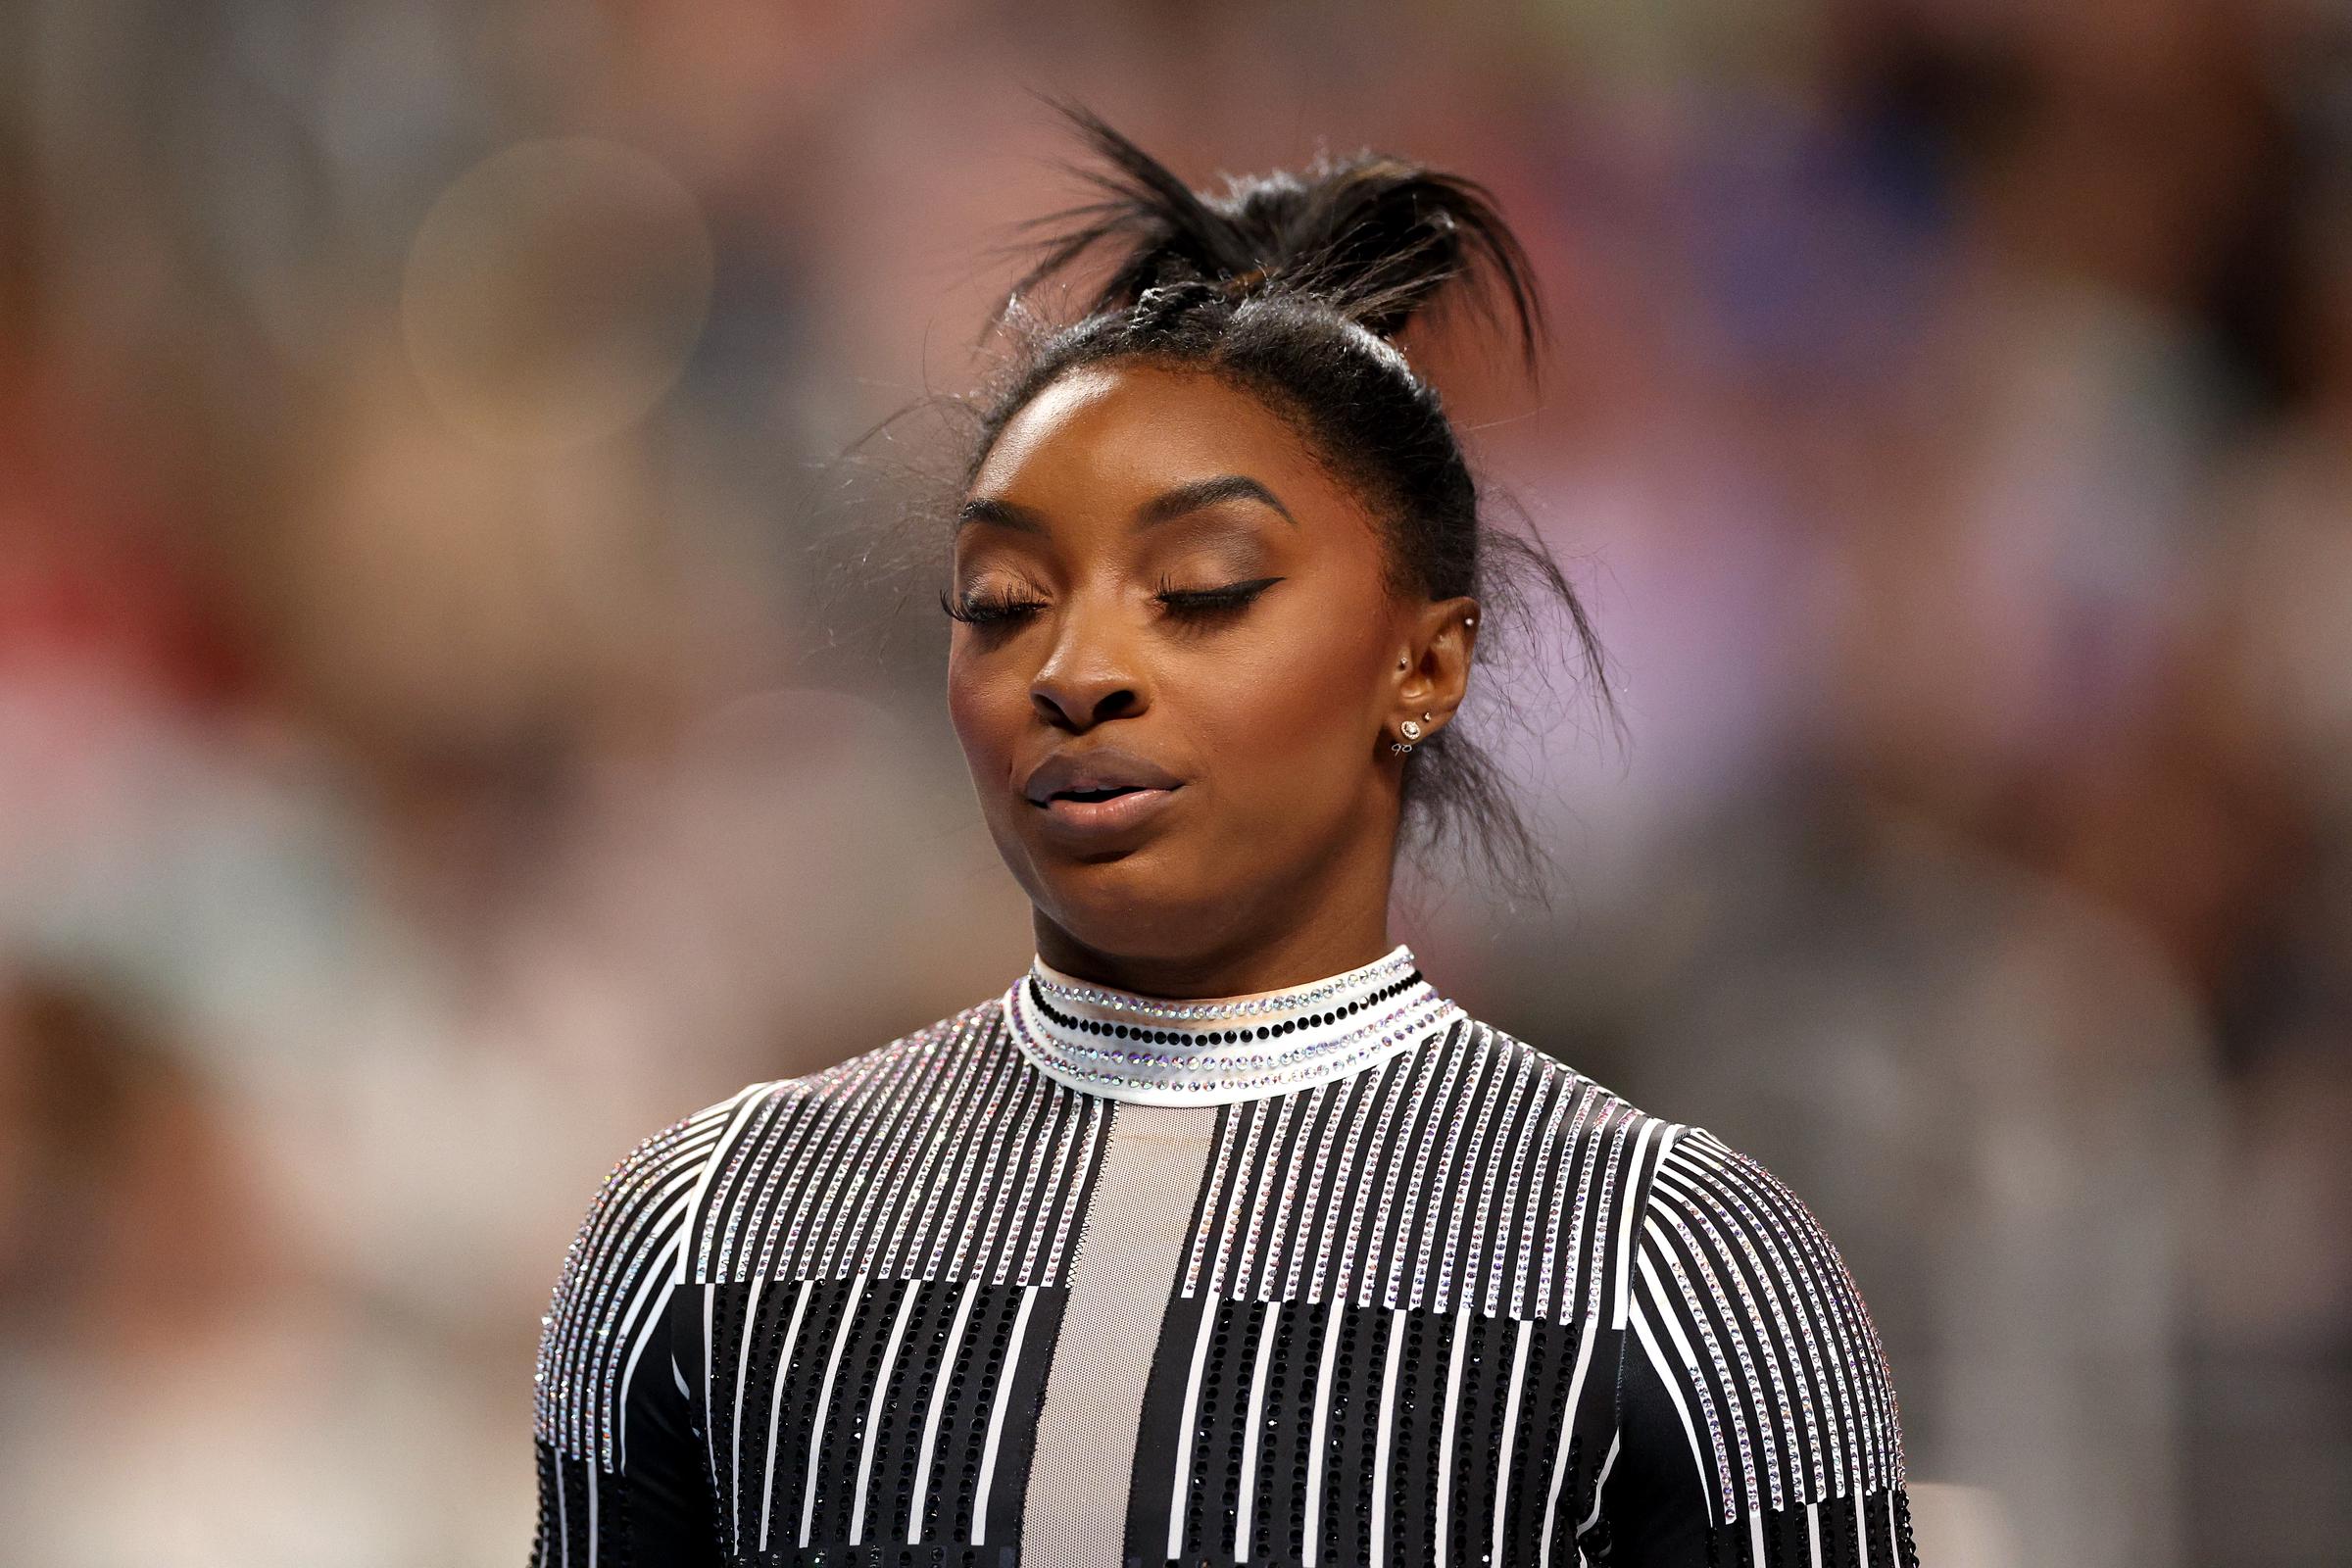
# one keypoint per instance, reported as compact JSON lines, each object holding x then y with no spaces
{"x":1290,"y":720}
{"x":977,"y":708}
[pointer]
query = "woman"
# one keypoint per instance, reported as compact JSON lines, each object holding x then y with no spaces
{"x":1222,"y":1235}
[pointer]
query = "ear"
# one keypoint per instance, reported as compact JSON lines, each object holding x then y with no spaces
{"x":1437,"y":641}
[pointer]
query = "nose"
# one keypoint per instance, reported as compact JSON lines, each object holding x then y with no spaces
{"x":1088,"y":676}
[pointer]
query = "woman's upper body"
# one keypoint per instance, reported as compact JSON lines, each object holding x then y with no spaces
{"x":1222,"y":1235}
{"x":1334,"y":1274}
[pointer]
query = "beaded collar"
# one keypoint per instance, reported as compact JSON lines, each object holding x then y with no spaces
{"x":1208,"y":1052}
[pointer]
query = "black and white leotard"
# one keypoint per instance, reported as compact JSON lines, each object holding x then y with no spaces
{"x":1334,"y":1275}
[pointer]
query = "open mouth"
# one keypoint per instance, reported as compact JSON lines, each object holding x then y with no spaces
{"x":1104,"y":813}
{"x":1099,"y":793}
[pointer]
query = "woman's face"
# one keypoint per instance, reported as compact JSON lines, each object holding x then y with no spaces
{"x":1176,"y":668}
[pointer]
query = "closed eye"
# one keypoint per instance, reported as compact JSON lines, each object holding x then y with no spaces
{"x":1211,"y":601}
{"x":997,"y":608}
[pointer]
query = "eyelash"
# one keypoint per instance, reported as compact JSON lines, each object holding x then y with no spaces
{"x":978,"y":610}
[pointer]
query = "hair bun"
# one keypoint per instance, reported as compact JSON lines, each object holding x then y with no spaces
{"x":1374,"y":238}
{"x":1163,"y":303}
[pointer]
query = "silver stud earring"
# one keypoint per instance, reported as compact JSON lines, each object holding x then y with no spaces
{"x":1469,"y":620}
{"x":1409,"y":729}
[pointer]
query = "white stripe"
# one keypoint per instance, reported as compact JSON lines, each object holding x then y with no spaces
{"x":1510,"y":1137}
{"x":869,"y":1205}
{"x":1380,"y":1443}
{"x":934,"y":1174}
{"x":873,"y":1410}
{"x":1826,"y":1352}
{"x":1756,"y":1533}
{"x":1005,"y":1197}
{"x":1510,"y":1434}
{"x":1220,"y":1274}
{"x":563,"y":1525}
{"x":1617,"y":1314}
{"x":1551,"y":1153}
{"x":975,"y":1167}
{"x":637,"y":1201}
{"x":1671,"y":1377}
{"x":1734,"y":1420}
{"x":1559,"y":1461}
{"x":644,"y":1331}
{"x":1249,"y":1430}
{"x":801,"y":1144}
{"x":775,"y":1403}
{"x":1861,"y":1534}
{"x":710,"y":1383}
{"x":759,"y":1139}
{"x":824,"y":1403}
{"x":743,"y":1372}
{"x":854,"y":1209}
{"x":1813,"y":1531}
{"x":1715,"y":1262}
{"x":939,"y":1399}
{"x":995,"y":1416}
{"x":1446,"y":1428}
{"x":1316,"y":1431}
{"x":1257,"y":1229}
{"x":747,"y":1106}
{"x":1570,"y":1175}
{"x":1454,"y":1207}
{"x":1609,"y":1463}
{"x":819,"y":1143}
{"x":1420,"y":1189}
{"x":1321,"y":1219}
{"x":1184,"y":1426}
{"x":1789,"y":1364}
{"x":591,"y":1466}
{"x":1061,"y":1202}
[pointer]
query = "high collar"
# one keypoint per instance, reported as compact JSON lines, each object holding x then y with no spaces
{"x":1212,"y":1049}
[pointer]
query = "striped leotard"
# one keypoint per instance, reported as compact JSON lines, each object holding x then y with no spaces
{"x":1329,"y":1276}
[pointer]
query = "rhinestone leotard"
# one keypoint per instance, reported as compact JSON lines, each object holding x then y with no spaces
{"x":1327,"y":1276}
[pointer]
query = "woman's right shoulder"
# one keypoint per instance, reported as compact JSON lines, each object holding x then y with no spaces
{"x":678,"y":1158}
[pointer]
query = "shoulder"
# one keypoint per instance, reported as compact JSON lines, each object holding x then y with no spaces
{"x":1719,"y":1217}
{"x":1582,"y":1154}
{"x":615,"y":1278}
{"x":757,"y":1114}
{"x":638,"y":1209}
{"x":652,"y":1220}
{"x":1586,"y":1127}
{"x":757,"y":1117}
{"x":1749,"y":1341}
{"x":656,"y":1179}
{"x":645,"y":1182}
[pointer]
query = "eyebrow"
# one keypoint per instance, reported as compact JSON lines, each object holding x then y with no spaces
{"x":1165,"y":507}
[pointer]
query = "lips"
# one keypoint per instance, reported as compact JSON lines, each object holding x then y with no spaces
{"x":1101,"y":790}
{"x":1093,"y":773}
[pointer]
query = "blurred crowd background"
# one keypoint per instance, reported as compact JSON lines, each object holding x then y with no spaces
{"x":450,"y":726}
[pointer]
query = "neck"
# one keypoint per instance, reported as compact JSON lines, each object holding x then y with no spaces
{"x":1295,"y":957}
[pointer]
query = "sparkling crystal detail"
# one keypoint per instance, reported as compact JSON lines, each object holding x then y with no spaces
{"x":1128,"y":1046}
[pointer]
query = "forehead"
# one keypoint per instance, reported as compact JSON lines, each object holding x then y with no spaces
{"x":1108,"y":433}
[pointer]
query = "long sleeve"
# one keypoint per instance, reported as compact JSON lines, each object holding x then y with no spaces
{"x":1757,"y":1421}
{"x":622,"y":1469}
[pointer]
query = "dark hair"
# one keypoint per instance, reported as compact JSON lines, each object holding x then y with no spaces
{"x":1292,"y":287}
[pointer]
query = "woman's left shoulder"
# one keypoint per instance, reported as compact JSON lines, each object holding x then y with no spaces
{"x":1750,"y":1343}
{"x":1737,"y":1223}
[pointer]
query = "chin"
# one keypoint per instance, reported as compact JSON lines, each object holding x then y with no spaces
{"x":1132,"y":905}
